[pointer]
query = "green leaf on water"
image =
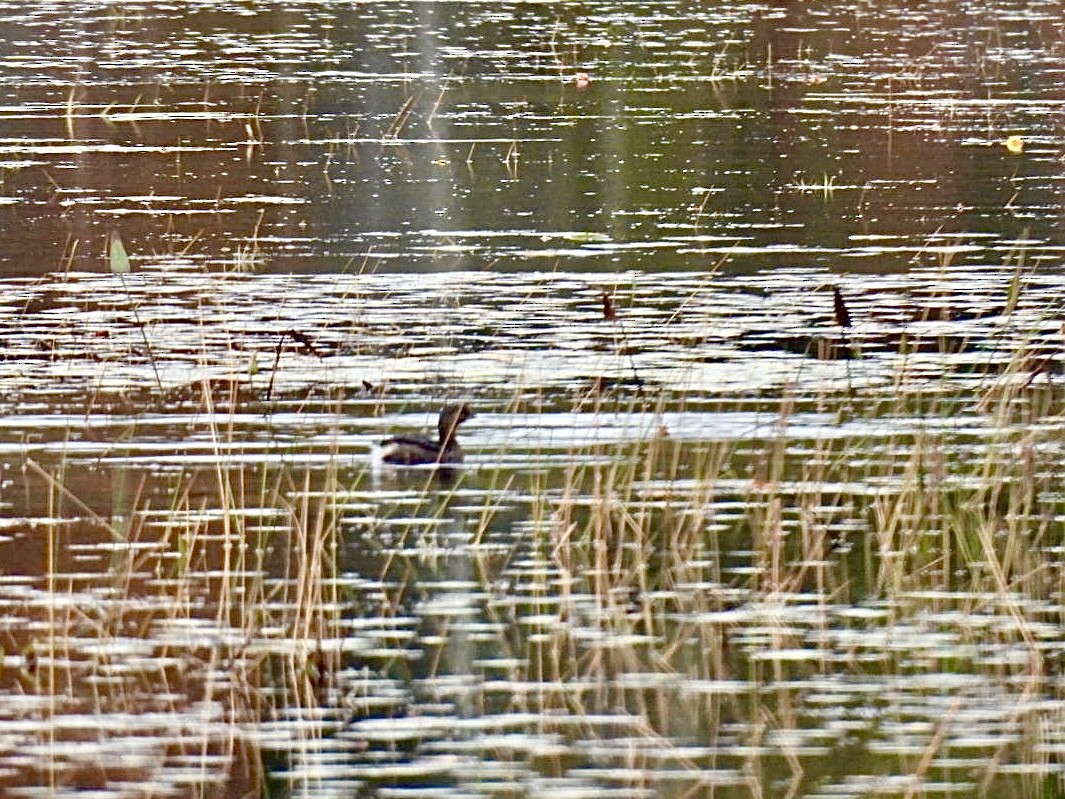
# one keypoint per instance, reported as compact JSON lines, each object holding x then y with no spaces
{"x":118,"y":257}
{"x":584,"y":236}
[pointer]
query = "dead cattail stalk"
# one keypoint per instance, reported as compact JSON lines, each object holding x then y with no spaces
{"x":843,"y":317}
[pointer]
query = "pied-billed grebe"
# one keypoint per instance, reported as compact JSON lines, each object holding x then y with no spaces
{"x":416,"y":450}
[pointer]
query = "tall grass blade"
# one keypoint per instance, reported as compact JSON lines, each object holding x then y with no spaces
{"x":1017,"y":255}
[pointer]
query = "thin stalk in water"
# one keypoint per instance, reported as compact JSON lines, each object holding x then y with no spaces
{"x":119,"y":262}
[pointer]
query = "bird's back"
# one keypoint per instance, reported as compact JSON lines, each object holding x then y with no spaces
{"x":410,"y":450}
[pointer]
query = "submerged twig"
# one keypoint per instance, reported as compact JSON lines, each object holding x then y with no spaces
{"x":295,"y":335}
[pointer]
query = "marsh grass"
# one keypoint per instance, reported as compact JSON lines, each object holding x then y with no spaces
{"x":652,"y":600}
{"x":626,"y":574}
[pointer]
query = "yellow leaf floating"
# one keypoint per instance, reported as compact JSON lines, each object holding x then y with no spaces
{"x":1014,"y":145}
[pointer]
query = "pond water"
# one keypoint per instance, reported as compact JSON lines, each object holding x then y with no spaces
{"x":758,"y":308}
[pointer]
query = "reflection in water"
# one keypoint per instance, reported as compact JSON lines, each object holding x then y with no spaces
{"x":327,"y":137}
{"x":725,"y":534}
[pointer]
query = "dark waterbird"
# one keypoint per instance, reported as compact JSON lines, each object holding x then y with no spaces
{"x":418,"y":450}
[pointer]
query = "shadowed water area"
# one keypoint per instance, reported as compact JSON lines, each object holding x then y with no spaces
{"x":758,"y":308}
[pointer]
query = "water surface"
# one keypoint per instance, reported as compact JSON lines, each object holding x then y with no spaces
{"x":707,"y":541}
